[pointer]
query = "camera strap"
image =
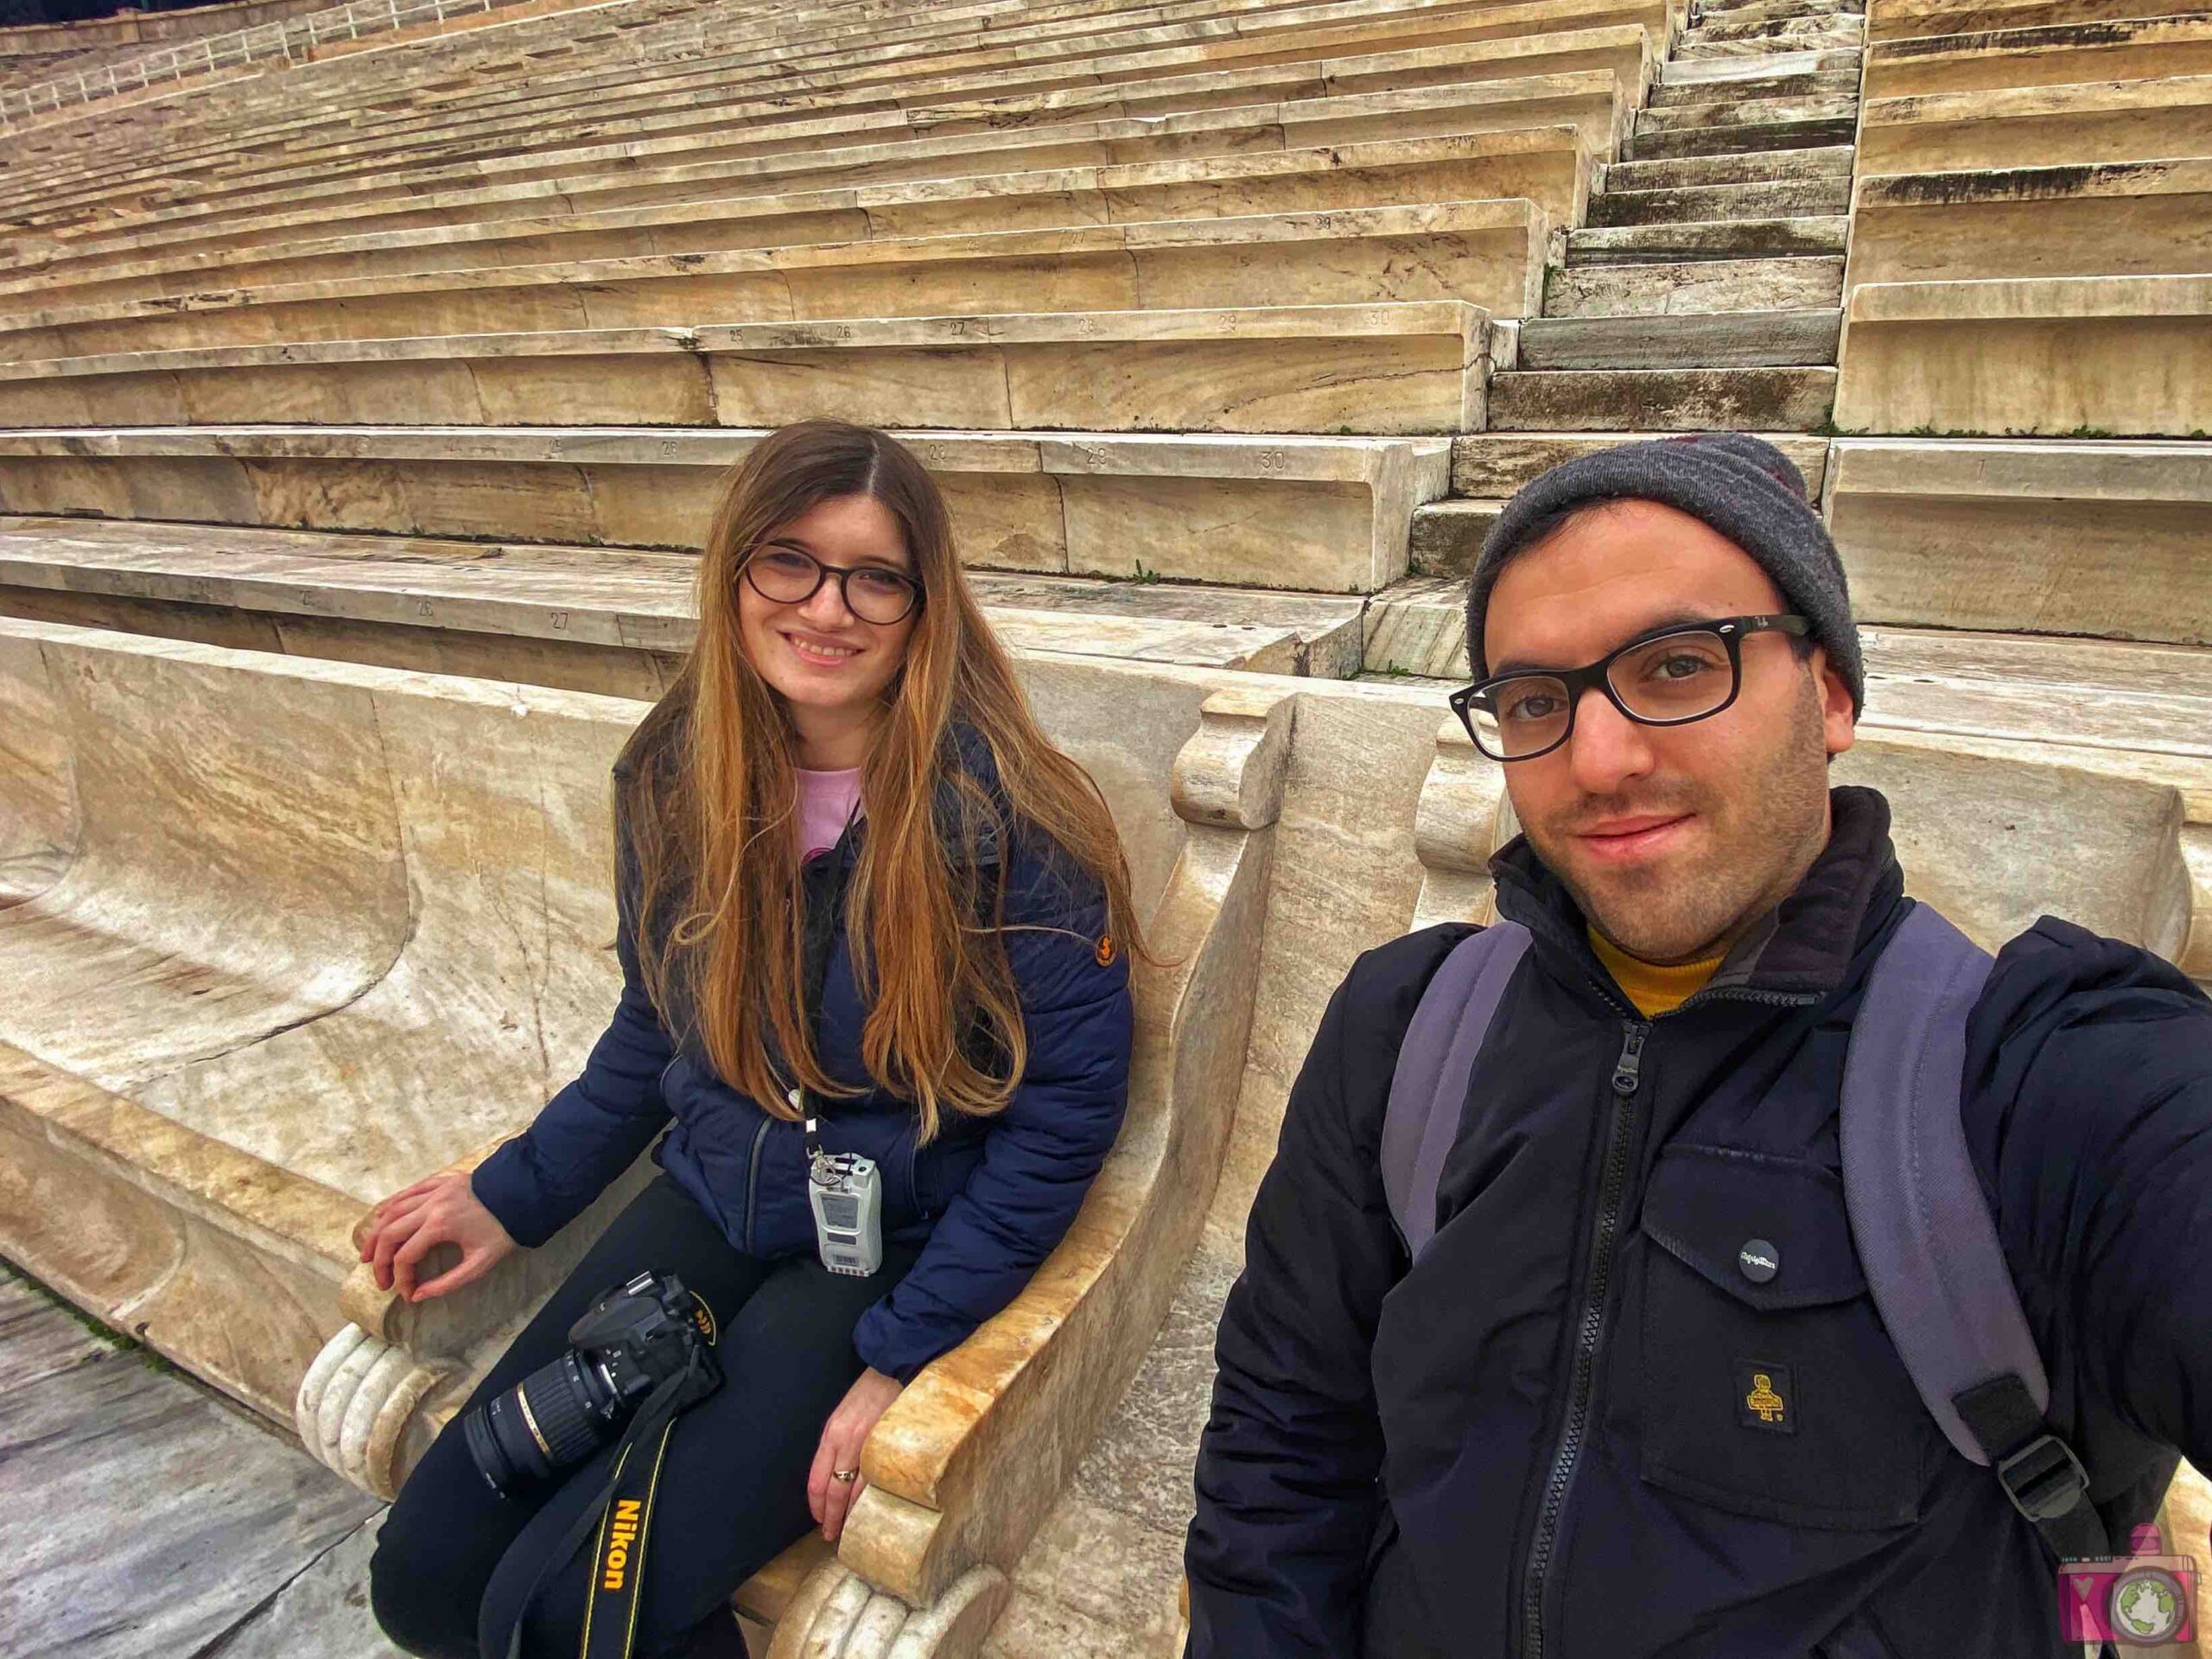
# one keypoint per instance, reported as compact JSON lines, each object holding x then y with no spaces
{"x":618,"y":1564}
{"x":610,"y":1612}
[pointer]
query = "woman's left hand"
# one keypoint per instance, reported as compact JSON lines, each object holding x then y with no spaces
{"x":842,"y":1436}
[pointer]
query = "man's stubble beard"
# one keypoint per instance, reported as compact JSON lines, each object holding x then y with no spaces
{"x":1761,"y":838}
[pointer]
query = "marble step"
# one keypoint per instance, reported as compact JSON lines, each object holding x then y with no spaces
{"x":1723,"y":110}
{"x":1723,"y":239}
{"x":1722,"y":340}
{"x":567,"y":615}
{"x":1321,"y":514}
{"x":1771,"y":11}
{"x":1711,"y":72}
{"x":1496,"y":464}
{"x":1755,"y":167}
{"x":1690,"y":48}
{"x":1693,"y":288}
{"x":1798,"y":84}
{"x":1403,"y":368}
{"x":1708,"y":203}
{"x":1669,"y":400}
{"x":2055,"y":535}
{"x":1801,"y":133}
{"x":1444,"y":538}
{"x":1487,"y":253}
{"x":1784,"y":34}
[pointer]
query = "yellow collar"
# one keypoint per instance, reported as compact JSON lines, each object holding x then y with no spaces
{"x":1654,"y":988}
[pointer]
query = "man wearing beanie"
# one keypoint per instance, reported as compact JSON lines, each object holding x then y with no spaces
{"x":1718,"y":1255}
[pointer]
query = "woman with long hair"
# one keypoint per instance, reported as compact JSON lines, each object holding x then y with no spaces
{"x":865,"y":907}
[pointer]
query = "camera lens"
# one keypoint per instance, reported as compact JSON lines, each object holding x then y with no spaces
{"x":546,"y":1422}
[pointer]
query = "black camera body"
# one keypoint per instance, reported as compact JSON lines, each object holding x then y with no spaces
{"x":635,"y":1337}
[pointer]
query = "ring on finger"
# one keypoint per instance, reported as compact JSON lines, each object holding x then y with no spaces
{"x":849,"y":1476}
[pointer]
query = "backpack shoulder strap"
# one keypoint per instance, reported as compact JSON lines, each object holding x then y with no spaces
{"x":1429,"y":1085}
{"x":1924,"y":1232}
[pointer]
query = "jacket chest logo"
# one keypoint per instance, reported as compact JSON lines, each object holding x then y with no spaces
{"x":1766,"y":1397}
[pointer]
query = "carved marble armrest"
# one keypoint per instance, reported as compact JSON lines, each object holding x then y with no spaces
{"x":381,"y":1388}
{"x":966,"y":1463}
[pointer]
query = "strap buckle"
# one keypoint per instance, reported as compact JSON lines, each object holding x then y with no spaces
{"x":2044,"y":1479}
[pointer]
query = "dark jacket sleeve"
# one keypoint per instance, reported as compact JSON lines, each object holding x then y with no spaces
{"x":594,"y":1128}
{"x":1287,"y":1500}
{"x":2095,"y":1113}
{"x":1041,"y":1153}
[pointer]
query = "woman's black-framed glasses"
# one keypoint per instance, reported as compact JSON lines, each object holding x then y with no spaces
{"x":791,"y":575}
{"x":1669,"y":677}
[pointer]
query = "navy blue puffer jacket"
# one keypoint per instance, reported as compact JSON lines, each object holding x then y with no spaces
{"x":992,"y":1196}
{"x":1536,"y":1442}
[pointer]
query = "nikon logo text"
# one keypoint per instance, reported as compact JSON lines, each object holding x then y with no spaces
{"x":621,"y":1538}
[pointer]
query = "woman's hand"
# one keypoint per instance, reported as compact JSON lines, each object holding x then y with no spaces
{"x":842,"y":1436}
{"x":441,"y":1209}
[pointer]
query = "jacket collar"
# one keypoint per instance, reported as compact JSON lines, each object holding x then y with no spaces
{"x":965,"y":751}
{"x":1801,"y":950}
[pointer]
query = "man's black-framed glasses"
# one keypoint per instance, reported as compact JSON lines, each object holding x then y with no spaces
{"x":791,"y":575}
{"x":1668,"y":677}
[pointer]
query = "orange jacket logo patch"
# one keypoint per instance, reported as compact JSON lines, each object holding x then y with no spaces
{"x":1105,"y":952}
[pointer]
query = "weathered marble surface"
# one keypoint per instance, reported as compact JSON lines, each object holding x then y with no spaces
{"x":2131,"y":219}
{"x":1900,"y":19}
{"x":1494,"y":464}
{"x":1325,"y":514}
{"x":2064,"y":356}
{"x":1474,"y":112}
{"x":2136,"y":48}
{"x":2048,"y":537}
{"x":1489,"y":253}
{"x":1406,"y":368}
{"x":582,"y":618}
{"x":2038,"y":126}
{"x":1547,"y":166}
{"x":1154,"y":82}
{"x":142,"y":1516}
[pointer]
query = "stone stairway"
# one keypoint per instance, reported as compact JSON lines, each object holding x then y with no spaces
{"x":1726,"y":217}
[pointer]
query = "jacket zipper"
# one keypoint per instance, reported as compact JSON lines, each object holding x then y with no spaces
{"x":1626,"y":1080}
{"x":753,"y":1176}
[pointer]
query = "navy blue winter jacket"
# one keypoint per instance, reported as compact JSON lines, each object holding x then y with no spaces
{"x":992,"y":1196}
{"x":1540,"y":1440}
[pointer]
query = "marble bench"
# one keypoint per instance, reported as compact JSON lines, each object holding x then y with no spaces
{"x":2109,"y":218}
{"x":1549,"y":166}
{"x":1487,"y":253}
{"x":1375,"y":56}
{"x":2061,"y":356}
{"x":1317,"y":514}
{"x":1589,"y":100}
{"x":613,"y":620}
{"x":1996,"y":58}
{"x":1891,"y":20}
{"x":2038,"y":126}
{"x":621,"y":181}
{"x":2058,"y":537}
{"x":391,"y":954}
{"x":1402,"y":369}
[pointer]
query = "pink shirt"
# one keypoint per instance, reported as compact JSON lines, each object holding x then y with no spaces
{"x":826,"y":801}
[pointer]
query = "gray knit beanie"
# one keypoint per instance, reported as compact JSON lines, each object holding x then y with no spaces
{"x":1743,"y":487}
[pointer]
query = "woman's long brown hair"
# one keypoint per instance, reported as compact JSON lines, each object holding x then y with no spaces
{"x":706,"y":794}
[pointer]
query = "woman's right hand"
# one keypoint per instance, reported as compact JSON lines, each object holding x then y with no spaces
{"x":441,"y":1209}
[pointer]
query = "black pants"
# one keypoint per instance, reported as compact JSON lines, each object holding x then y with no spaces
{"x":454,"y":1559}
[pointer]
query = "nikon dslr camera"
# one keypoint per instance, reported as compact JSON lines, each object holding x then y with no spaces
{"x":634,"y":1339}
